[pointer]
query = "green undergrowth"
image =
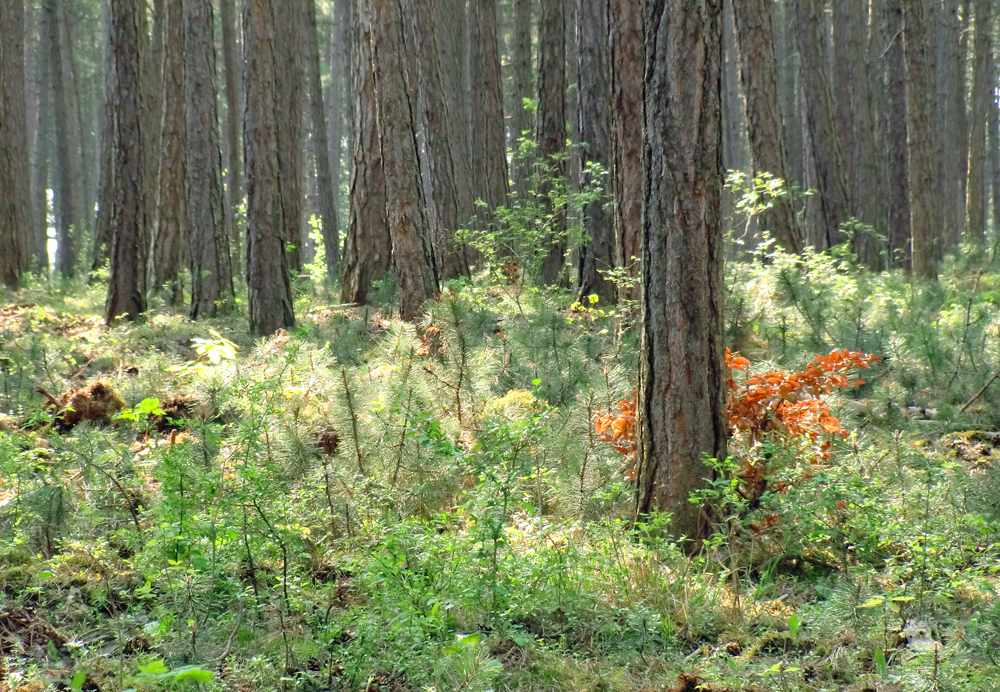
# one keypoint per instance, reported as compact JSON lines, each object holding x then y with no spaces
{"x":365,"y":504}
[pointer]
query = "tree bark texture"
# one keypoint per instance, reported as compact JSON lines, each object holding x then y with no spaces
{"x":521,"y":69}
{"x":895,"y":123}
{"x":550,"y":130}
{"x":683,"y":375}
{"x":413,"y":256}
{"x":444,"y":204}
{"x":626,"y":29}
{"x":489,"y":138}
{"x":234,"y":162}
{"x":982,"y":91}
{"x":827,"y":151}
{"x":598,"y":254}
{"x":15,"y":176}
{"x":168,"y":247}
{"x":289,"y":79}
{"x":67,"y":223}
{"x":207,"y":239}
{"x":321,"y":149}
{"x":759,"y":74}
{"x":368,"y":247}
{"x":269,"y":289}
{"x":920,"y":136}
{"x":129,"y":250}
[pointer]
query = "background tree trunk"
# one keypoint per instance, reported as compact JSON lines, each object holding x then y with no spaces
{"x":208,"y":242}
{"x":489,"y":139}
{"x":67,"y":224}
{"x":826,"y":146}
{"x":289,"y":105}
{"x":626,"y":132}
{"x":920,"y":136}
{"x":550,"y":131}
{"x":895,"y":120}
{"x":759,"y":73}
{"x":269,"y":289}
{"x":683,"y":375}
{"x":321,"y":150}
{"x":127,"y":285}
{"x":368,"y":247}
{"x":521,"y":69}
{"x":598,"y":255}
{"x":234,"y":100}
{"x":168,"y":255}
{"x":413,"y":256}
{"x":982,"y":91}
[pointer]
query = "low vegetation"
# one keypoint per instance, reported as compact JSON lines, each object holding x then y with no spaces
{"x":366,"y":504}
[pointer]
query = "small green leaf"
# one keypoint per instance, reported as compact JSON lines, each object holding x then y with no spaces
{"x":77,"y":682}
{"x":872,"y":602}
{"x":904,"y":599}
{"x":155,"y":667}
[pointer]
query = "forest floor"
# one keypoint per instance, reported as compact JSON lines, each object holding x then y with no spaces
{"x":364,"y":504}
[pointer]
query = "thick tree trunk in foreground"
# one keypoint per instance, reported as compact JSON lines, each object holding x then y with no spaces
{"x":827,"y":149}
{"x":413,"y":257}
{"x":626,"y":21}
{"x":167,"y":259}
{"x":598,"y":255}
{"x":920,"y":136}
{"x":15,"y":176}
{"x":208,"y":242}
{"x":269,"y":289}
{"x":127,"y":285}
{"x":368,"y":247}
{"x":683,"y":375}
{"x":759,"y":73}
{"x":550,"y":132}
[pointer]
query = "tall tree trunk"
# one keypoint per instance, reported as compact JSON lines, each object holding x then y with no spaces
{"x":368,"y":246}
{"x":521,"y":68}
{"x":920,"y":136}
{"x":598,"y":255}
{"x":869,"y":187}
{"x":683,"y":376}
{"x":952,"y":124}
{"x":79,"y":154}
{"x":321,"y":149}
{"x":789,"y":77}
{"x":67,"y":224}
{"x":550,"y":132}
{"x":269,"y":288}
{"x":489,"y":139}
{"x":413,"y":256}
{"x":127,"y":285}
{"x":208,"y":242}
{"x":101,"y":250}
{"x":759,"y":72}
{"x":338,"y":94}
{"x":734,"y":155}
{"x":289,"y":79}
{"x":826,"y":146}
{"x":895,"y":123}
{"x":44,"y":134}
{"x":234,"y":162}
{"x":169,"y":239}
{"x":993,"y":127}
{"x":982,"y":91}
{"x":153,"y":49}
{"x":626,"y":17}
{"x":15,"y":176}
{"x":443,"y":203}
{"x":35,"y":257}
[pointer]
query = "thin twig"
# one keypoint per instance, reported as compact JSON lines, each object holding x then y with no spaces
{"x":982,"y":391}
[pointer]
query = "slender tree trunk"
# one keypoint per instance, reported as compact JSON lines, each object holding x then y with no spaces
{"x":234,"y":162}
{"x":413,"y":257}
{"x":269,"y":288}
{"x":759,"y":72}
{"x":789,"y":73}
{"x":368,"y":246}
{"x":683,"y":376}
{"x":895,"y":123}
{"x":15,"y":175}
{"x":550,"y":132}
{"x":340,"y":35}
{"x":521,"y":67}
{"x":598,"y":255}
{"x":920,"y":136}
{"x":44,"y":134}
{"x":869,"y":187}
{"x":993,"y":127}
{"x":208,"y":242}
{"x":101,"y":250}
{"x":489,"y":139}
{"x":982,"y":91}
{"x":826,"y":146}
{"x":289,"y":78}
{"x":321,"y":149}
{"x":626,"y":17}
{"x":152,"y":48}
{"x":734,"y":128}
{"x":66,"y":223}
{"x":453,"y":43}
{"x":127,"y":285}
{"x":169,"y":239}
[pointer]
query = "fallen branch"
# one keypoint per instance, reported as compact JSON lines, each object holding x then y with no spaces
{"x":982,"y":391}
